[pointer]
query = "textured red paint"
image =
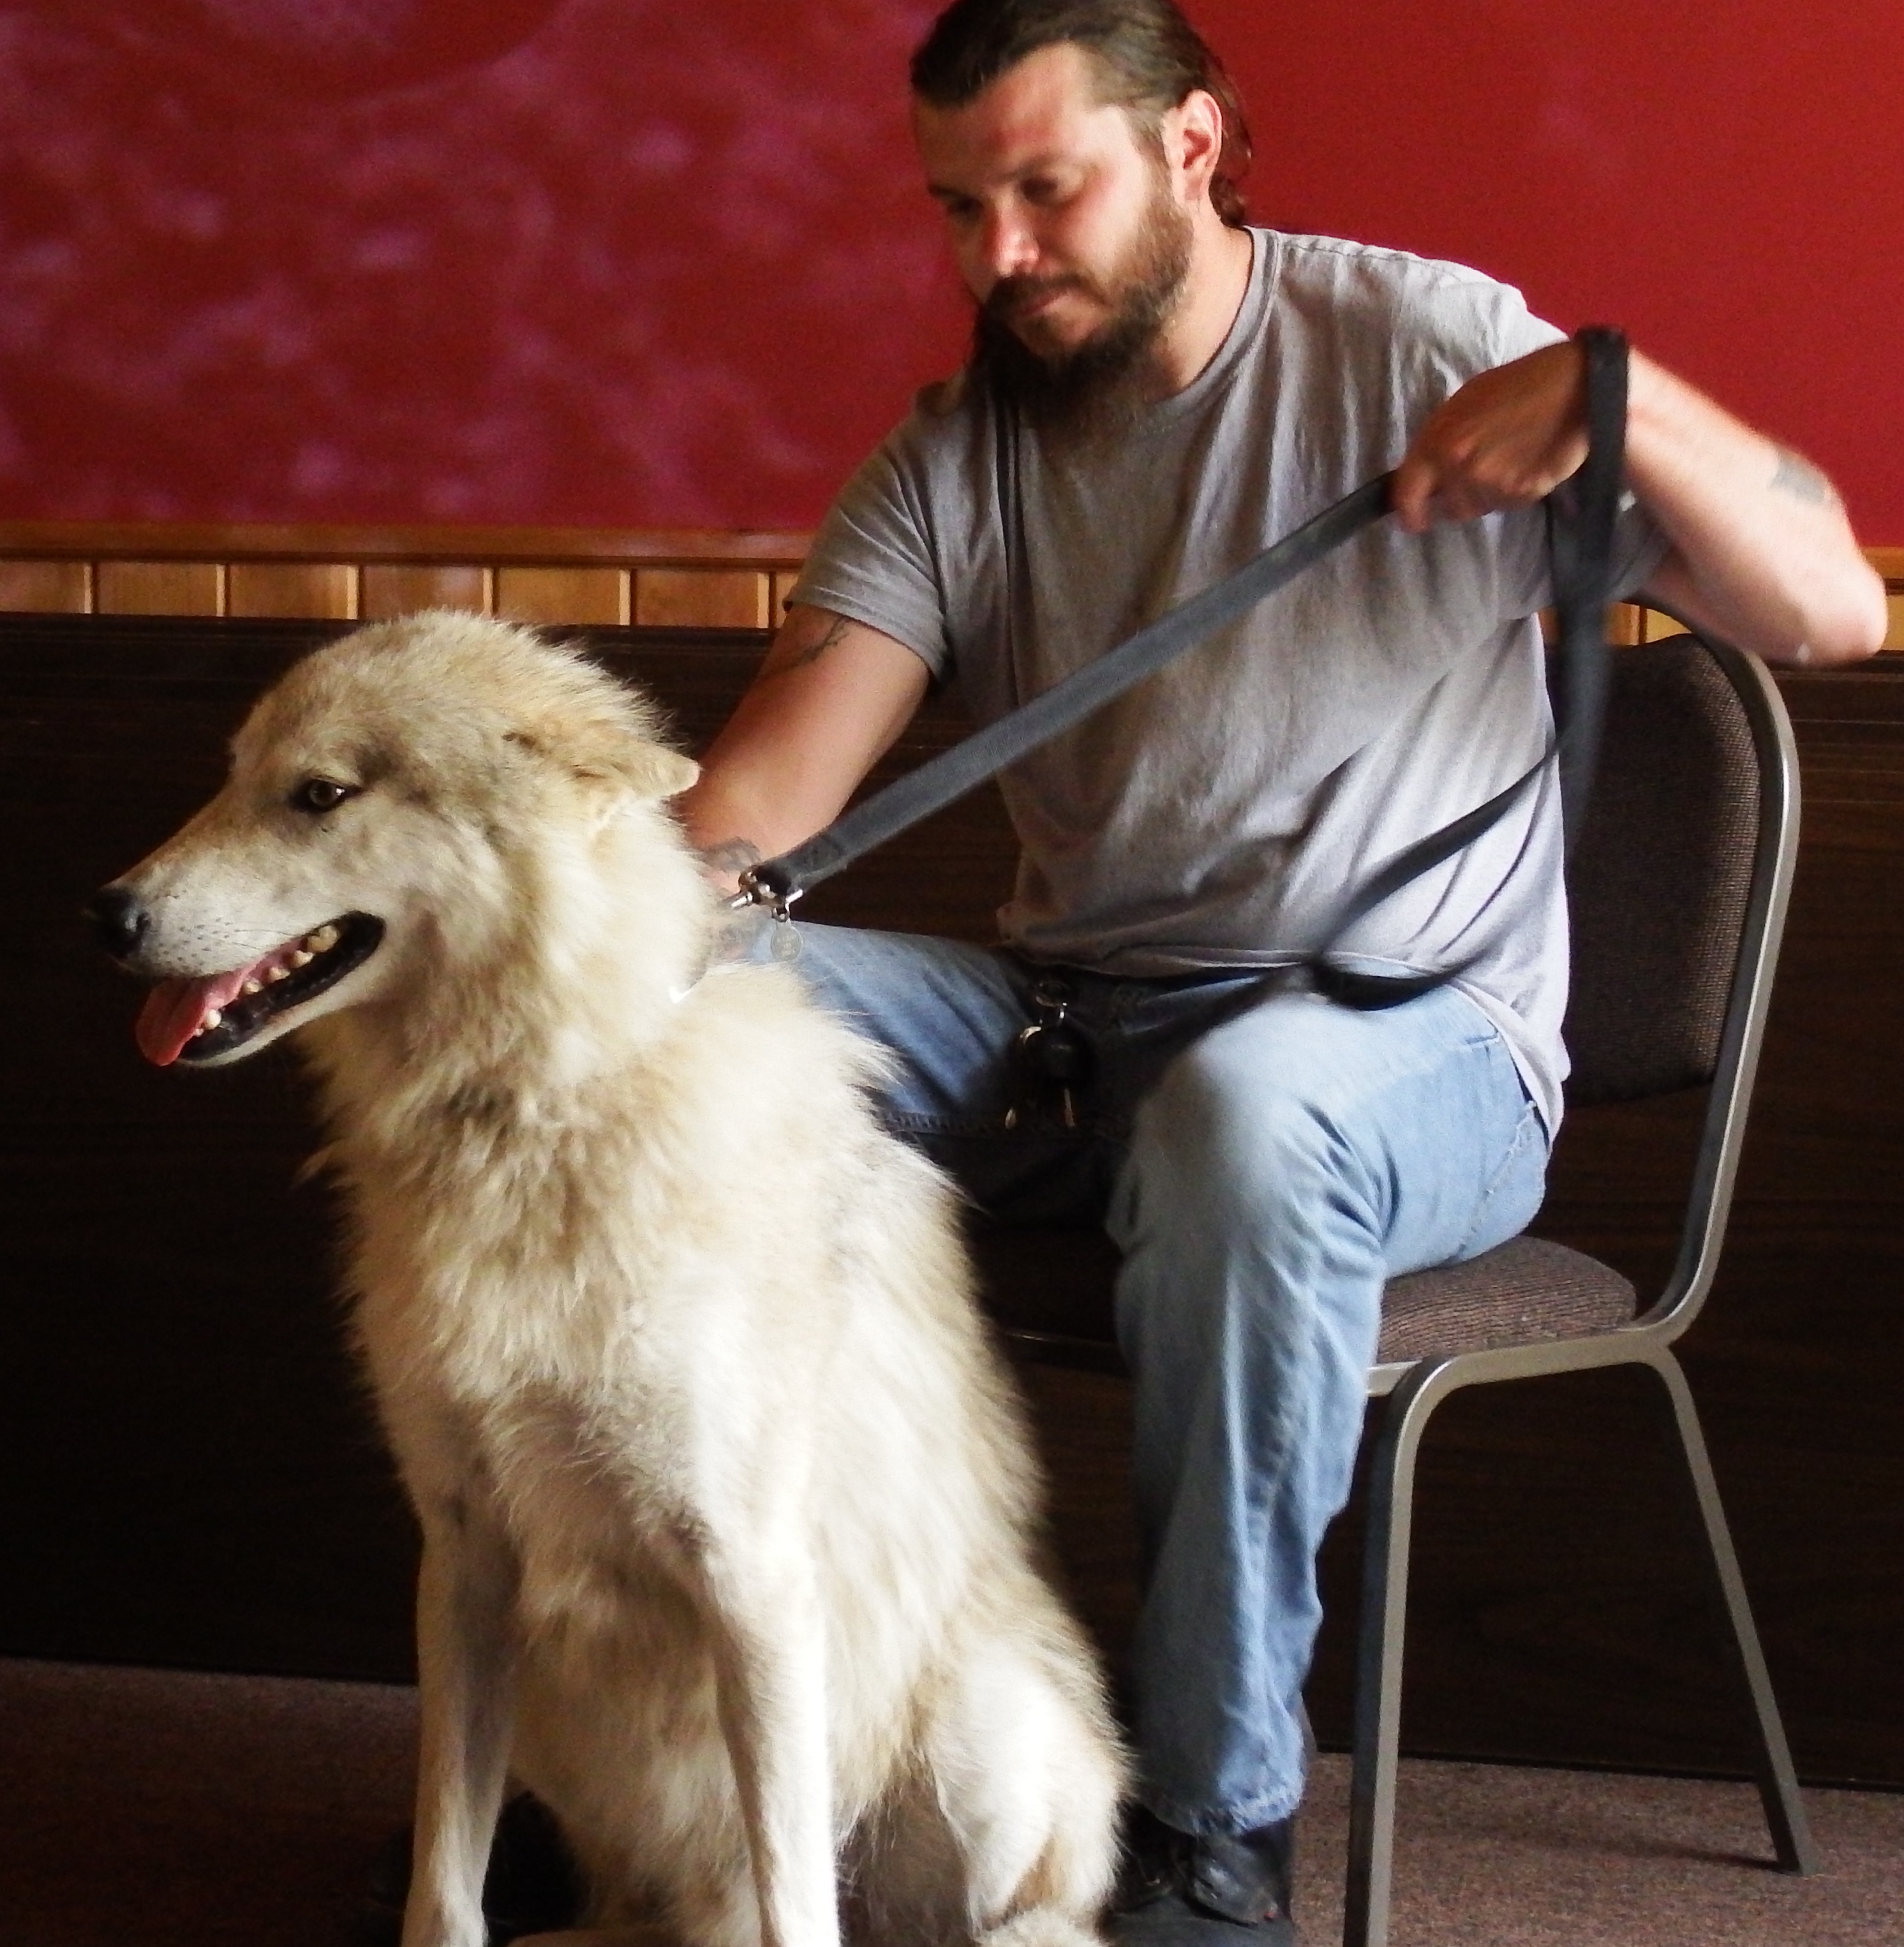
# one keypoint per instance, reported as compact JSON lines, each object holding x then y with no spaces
{"x":624,"y":261}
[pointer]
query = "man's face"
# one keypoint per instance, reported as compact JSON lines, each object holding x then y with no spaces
{"x":1064,"y":225}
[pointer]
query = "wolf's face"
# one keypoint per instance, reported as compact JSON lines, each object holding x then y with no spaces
{"x":391,"y":806}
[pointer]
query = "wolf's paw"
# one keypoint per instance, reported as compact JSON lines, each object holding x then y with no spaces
{"x":1042,"y":1927}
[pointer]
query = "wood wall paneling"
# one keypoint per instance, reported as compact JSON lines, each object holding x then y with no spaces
{"x":46,"y":587}
{"x":1889,"y":562}
{"x":560,"y":576}
{"x":320,"y":589}
{"x":159,"y":588}
{"x":392,"y":589}
{"x":702,"y":598}
{"x":558,"y":596}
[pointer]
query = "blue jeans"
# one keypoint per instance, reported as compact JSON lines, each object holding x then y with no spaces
{"x":1262,"y":1177}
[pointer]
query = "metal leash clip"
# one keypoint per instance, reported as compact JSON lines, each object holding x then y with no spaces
{"x":767,"y":890}
{"x":761,"y":886}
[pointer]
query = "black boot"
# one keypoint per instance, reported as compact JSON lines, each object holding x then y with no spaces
{"x":532,"y":1885}
{"x":1180,"y":1890}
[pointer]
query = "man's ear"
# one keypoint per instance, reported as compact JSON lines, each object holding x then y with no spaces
{"x":1193,"y":138}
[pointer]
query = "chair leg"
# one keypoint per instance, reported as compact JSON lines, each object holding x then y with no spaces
{"x":1379,"y":1658}
{"x":1785,"y":1811}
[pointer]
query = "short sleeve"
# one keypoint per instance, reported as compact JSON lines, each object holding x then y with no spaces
{"x":873,"y":560}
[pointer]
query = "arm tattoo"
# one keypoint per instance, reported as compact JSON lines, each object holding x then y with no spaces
{"x":1803,"y":481}
{"x":803,"y":658}
{"x":731,"y":855}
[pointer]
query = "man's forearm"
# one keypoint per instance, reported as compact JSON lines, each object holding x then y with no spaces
{"x":829,"y":700}
{"x":1762,"y":552}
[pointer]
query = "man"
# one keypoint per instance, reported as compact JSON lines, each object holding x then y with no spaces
{"x":1155,"y":393}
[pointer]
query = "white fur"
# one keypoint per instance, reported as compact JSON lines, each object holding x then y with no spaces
{"x":724,"y":1498}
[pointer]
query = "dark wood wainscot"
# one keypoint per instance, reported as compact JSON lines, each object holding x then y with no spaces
{"x":194,"y":1477}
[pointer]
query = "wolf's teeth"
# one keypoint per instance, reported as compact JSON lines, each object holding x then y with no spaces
{"x":300,"y":958}
{"x":278,"y":973}
{"x":213,"y":1016}
{"x":323,"y":940}
{"x":252,"y":987}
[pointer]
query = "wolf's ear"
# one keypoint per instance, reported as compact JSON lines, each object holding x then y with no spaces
{"x":652,"y":770}
{"x":608,"y":752}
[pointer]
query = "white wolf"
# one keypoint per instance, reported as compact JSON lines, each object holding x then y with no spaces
{"x":724,"y":1500}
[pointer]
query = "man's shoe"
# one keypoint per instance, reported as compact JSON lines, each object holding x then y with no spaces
{"x":1223,"y":1890}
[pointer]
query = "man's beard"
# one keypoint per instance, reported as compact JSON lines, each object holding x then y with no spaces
{"x":1093,"y":389}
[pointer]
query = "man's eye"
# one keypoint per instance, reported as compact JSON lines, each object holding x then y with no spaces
{"x":320,"y":794}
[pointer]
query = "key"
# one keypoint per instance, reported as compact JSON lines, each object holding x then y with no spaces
{"x":1055,"y":1060}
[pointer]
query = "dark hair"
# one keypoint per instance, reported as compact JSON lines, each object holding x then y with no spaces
{"x":1148,"y":56}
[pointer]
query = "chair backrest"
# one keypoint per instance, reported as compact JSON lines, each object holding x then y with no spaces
{"x":1678,"y":886}
{"x":1693,"y":794}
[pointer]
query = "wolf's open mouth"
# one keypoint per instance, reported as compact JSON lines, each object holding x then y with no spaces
{"x":193,"y":1020}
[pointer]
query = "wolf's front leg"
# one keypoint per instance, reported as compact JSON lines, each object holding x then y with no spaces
{"x":770,"y":1650}
{"x":465,"y":1676}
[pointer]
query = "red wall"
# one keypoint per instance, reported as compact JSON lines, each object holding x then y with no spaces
{"x":637,"y":262}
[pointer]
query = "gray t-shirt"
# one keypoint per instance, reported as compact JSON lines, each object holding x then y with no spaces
{"x":1212,"y":816}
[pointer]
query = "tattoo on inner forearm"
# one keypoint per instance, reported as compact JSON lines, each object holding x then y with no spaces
{"x":1803,"y":481}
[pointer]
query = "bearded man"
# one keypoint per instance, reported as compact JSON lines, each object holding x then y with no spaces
{"x":1156,"y":392}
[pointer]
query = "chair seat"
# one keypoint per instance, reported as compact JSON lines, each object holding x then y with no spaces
{"x":1521,"y":1293}
{"x":1056,"y":1284}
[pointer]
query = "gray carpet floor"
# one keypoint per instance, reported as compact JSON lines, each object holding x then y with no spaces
{"x":154,"y":1809}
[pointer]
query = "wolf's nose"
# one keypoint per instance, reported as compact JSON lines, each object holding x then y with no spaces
{"x":118,"y":920}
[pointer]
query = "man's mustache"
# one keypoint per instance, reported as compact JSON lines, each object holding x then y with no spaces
{"x":1010,"y":294}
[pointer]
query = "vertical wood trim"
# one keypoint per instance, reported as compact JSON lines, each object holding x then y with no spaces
{"x":1625,"y":624}
{"x":46,"y":587}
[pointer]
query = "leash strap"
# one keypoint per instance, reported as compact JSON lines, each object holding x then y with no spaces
{"x":1581,"y":515}
{"x":777,"y":883}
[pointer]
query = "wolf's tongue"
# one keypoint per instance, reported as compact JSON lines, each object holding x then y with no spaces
{"x":174,"y":1009}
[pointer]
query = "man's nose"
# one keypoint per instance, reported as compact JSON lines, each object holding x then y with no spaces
{"x":1008,"y":248}
{"x":119,"y":920}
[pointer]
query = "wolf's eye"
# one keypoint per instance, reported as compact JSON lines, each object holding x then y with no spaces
{"x":317,"y":794}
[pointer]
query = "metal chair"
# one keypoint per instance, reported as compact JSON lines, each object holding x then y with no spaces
{"x":1677,"y":889}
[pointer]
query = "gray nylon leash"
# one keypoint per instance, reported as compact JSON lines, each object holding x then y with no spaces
{"x":969,"y":763}
{"x":1580,"y":522}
